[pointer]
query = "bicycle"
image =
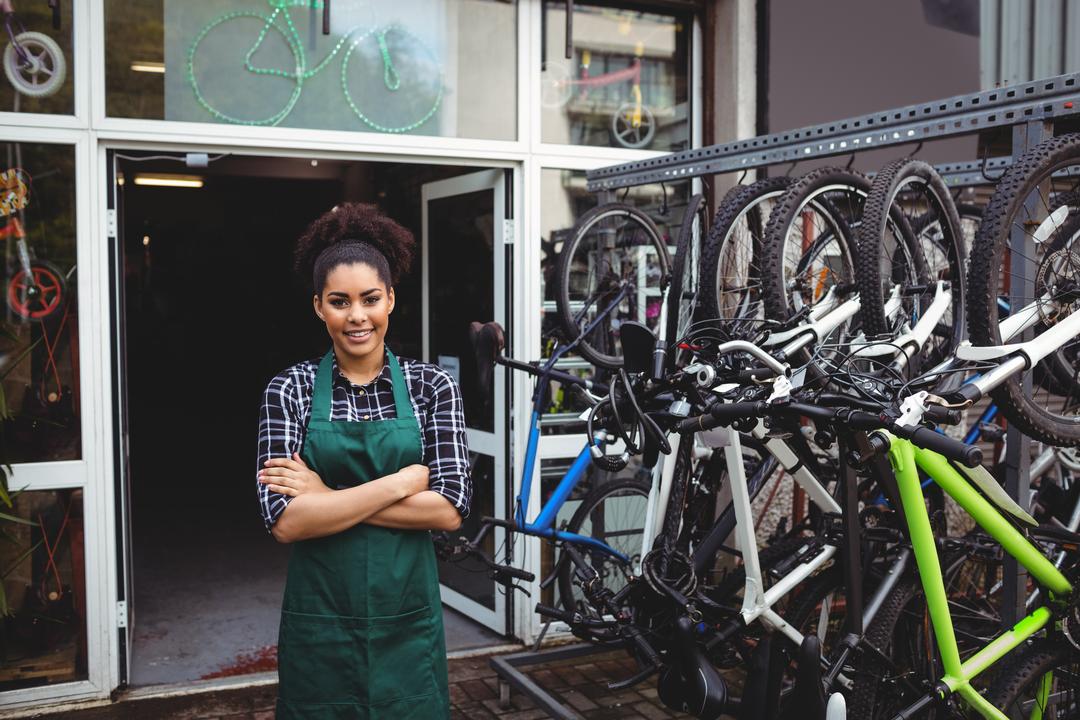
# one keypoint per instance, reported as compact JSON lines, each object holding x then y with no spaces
{"x":34,"y":63}
{"x":38,"y":289}
{"x":387,"y":43}
{"x":633,"y":124}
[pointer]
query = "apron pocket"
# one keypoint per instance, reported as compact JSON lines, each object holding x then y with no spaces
{"x":318,"y":658}
{"x":401,"y":657}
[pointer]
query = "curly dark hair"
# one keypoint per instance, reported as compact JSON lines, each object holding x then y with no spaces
{"x":350,"y":233}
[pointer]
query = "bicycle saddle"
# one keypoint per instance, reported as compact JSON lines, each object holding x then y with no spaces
{"x":692,"y":685}
{"x":488,"y":340}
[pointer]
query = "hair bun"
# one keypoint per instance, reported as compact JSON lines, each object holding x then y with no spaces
{"x":356,"y":222}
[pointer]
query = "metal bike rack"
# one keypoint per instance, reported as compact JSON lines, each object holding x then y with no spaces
{"x":508,"y":668}
{"x":1031,"y":109}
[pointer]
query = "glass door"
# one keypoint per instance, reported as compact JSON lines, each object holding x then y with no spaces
{"x":464,"y":279}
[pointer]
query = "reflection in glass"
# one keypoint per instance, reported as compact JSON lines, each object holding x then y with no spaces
{"x":407,"y":66}
{"x":625,"y":84}
{"x":460,"y":236}
{"x":39,"y":343}
{"x":43,"y":635}
{"x":563,"y":199}
{"x":37,"y":58}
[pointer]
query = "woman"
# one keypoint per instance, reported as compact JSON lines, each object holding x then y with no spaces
{"x":361,"y":454}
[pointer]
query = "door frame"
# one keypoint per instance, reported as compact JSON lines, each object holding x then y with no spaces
{"x":493,"y":444}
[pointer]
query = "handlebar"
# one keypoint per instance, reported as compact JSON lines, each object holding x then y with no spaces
{"x":722,"y":413}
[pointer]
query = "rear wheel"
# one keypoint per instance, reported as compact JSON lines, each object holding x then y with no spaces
{"x":1027,"y":217}
{"x":1042,"y":681}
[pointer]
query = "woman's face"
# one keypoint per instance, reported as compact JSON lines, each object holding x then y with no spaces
{"x":355,"y":305}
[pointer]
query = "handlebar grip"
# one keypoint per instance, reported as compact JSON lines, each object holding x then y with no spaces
{"x":721,"y":413}
{"x":754,"y":373}
{"x":943,"y":415}
{"x":514,"y":572}
{"x":554,"y":613}
{"x":969,"y":455}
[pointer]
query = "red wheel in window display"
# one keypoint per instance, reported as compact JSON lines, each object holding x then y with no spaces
{"x":37,"y":291}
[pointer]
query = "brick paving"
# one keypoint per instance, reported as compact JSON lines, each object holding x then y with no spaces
{"x":580,"y":683}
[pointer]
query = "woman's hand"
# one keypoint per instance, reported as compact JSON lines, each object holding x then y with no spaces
{"x":291,"y":476}
{"x":414,"y":478}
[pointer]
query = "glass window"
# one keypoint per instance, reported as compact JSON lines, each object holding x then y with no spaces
{"x":37,"y":59}
{"x":446,"y":68}
{"x":43,"y":598}
{"x":626,"y":84}
{"x":39,"y":343}
{"x":564,"y":198}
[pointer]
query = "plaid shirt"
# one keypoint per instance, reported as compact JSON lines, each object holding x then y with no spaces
{"x":436,"y":402}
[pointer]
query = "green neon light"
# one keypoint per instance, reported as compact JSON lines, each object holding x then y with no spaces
{"x":301,"y":73}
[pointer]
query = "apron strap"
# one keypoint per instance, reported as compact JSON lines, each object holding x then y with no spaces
{"x":322,"y":399}
{"x":402,"y":404}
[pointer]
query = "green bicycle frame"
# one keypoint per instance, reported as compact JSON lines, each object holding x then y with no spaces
{"x":906,"y":459}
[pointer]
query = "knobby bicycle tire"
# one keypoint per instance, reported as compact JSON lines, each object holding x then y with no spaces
{"x":683,"y":290}
{"x":1020,"y":675}
{"x":881,"y":216}
{"x":594,"y":499}
{"x":742,"y":203}
{"x":599,"y":347}
{"x":984,"y":281}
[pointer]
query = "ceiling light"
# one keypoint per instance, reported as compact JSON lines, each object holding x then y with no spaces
{"x":167,"y":180}
{"x":148,"y":66}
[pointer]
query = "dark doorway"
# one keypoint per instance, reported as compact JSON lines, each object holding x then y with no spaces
{"x":213,"y":310}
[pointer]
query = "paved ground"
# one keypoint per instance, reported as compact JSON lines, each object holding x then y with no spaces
{"x":474,"y":695}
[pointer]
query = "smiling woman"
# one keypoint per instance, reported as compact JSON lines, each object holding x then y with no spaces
{"x":360,"y":455}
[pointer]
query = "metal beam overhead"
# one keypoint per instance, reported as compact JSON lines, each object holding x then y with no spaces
{"x":1048,"y":99}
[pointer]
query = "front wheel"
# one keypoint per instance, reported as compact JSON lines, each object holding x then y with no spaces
{"x":613,"y":513}
{"x":34,"y":64}
{"x":613,"y":268}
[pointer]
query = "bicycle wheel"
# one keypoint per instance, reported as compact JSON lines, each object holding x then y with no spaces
{"x":907,"y":665}
{"x":730,"y":273}
{"x":632,"y":129}
{"x":34,"y":64}
{"x":399,"y":80}
{"x":809,"y":244}
{"x":614,"y":262}
{"x":1041,"y":680}
{"x":1025,"y":206}
{"x":38,"y":295}
{"x":910,"y":236}
{"x":613,"y":513}
{"x":682,"y":292}
{"x":220,"y":93}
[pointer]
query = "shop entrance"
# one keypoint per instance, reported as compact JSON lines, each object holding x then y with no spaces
{"x":208,"y":310}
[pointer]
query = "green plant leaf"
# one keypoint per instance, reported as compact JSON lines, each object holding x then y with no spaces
{"x":13,"y":518}
{"x":26,"y":554}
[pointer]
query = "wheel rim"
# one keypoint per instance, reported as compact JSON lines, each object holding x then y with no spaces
{"x":37,"y":295}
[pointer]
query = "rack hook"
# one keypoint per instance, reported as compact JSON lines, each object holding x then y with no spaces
{"x":742,"y":177}
{"x":915,"y":152}
{"x":982,"y":167}
{"x":850,"y":162}
{"x":792,"y":167}
{"x":664,"y":209}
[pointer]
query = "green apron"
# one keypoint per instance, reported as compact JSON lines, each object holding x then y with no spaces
{"x":361,"y":632}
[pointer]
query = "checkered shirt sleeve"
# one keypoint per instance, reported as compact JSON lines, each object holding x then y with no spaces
{"x":436,"y":401}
